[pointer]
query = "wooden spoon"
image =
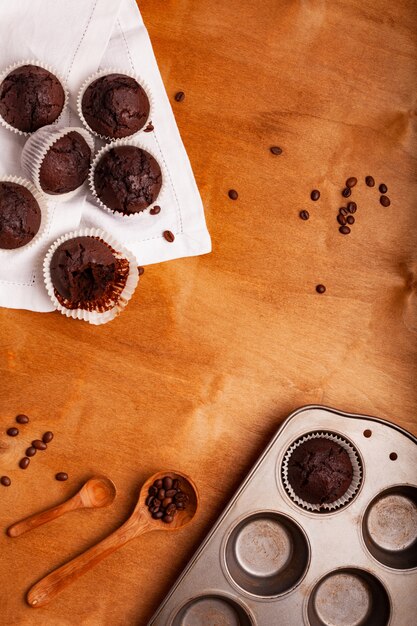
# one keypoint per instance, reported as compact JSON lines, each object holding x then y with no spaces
{"x":94,"y":494}
{"x":139,"y":522}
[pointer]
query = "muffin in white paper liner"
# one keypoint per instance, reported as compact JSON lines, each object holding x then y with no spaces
{"x":356,"y":476}
{"x":106,"y":72}
{"x":44,"y":66}
{"x":121,"y":299}
{"x":35,"y":150}
{"x":43,"y":205}
{"x":126,"y":142}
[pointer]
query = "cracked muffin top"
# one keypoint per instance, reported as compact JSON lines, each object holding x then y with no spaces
{"x":20,"y":216}
{"x":66,"y":165}
{"x":115,"y":106}
{"x":31,"y":97}
{"x":127,"y":179}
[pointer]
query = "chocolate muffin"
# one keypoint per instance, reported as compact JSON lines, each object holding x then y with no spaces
{"x":320,"y":471}
{"x":127,"y":179}
{"x":31,"y":97}
{"x":115,"y":106}
{"x":20,"y":216}
{"x":66,"y":164}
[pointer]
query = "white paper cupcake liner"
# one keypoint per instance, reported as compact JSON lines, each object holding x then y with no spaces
{"x":42,"y":205}
{"x":105,"y":72}
{"x":356,"y":477}
{"x":120,"y":252}
{"x":37,"y":146}
{"x":45,"y":66}
{"x":126,"y":142}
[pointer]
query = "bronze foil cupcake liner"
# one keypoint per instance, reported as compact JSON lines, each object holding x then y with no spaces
{"x":353,"y":487}
{"x":43,"y":205}
{"x":37,"y":146}
{"x":126,"y":142}
{"x":44,"y":66}
{"x":106,"y":72}
{"x":108,"y":309}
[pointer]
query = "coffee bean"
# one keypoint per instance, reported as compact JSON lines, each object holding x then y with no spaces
{"x":161,"y":494}
{"x":23,"y":463}
{"x":343,"y":211}
{"x":320,"y":288}
{"x":341,"y":219}
{"x":233,"y":194}
{"x":276,"y":150}
{"x":141,"y":270}
{"x":154,"y":509}
{"x":315,"y":195}
{"x":157,"y":515}
{"x":149,"y":128}
{"x":383,"y":188}
{"x":12,"y":432}
{"x":345,"y":230}
{"x":369,"y":180}
{"x":176,"y":484}
{"x":170,"y":237}
{"x":5,"y":481}
{"x":352,"y":206}
{"x":170,"y":493}
{"x":171,"y":509}
{"x":39,"y":445}
{"x":61,"y":476}
{"x":149,"y":500}
{"x":304,"y":215}
{"x":166,"y":502}
{"x":155,"y":210}
{"x":350,"y":219}
{"x":47,"y":437}
{"x":167,"y":519}
{"x":181,"y":497}
{"x":385,"y":201}
{"x":351,"y":182}
{"x":346,"y":192}
{"x":167,"y":482}
{"x":31,"y":451}
{"x":180,"y":506}
{"x":158,"y":483}
{"x":153,"y":490}
{"x":157,"y":502}
{"x":179,"y":96}
{"x":22,"y":418}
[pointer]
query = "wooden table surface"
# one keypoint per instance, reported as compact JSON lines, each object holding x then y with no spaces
{"x":214,"y":352}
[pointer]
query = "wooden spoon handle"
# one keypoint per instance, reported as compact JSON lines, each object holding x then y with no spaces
{"x":33,"y":521}
{"x":47,"y":588}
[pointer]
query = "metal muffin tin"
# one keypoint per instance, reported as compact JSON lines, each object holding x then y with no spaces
{"x":269,"y":562}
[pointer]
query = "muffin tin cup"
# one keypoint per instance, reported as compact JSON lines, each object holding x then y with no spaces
{"x":353,"y":487}
{"x":106,"y":72}
{"x":35,"y":150}
{"x":94,"y":317}
{"x":43,"y":205}
{"x":100,"y":154}
{"x":44,"y":66}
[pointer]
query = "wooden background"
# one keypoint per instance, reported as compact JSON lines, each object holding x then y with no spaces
{"x":214,"y":352}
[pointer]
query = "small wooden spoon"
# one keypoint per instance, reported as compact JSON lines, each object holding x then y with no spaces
{"x":94,"y":494}
{"x":139,"y":522}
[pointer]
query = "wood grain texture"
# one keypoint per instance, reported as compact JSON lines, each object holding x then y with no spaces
{"x":212,"y":353}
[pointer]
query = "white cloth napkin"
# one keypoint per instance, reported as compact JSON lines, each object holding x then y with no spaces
{"x":78,"y":38}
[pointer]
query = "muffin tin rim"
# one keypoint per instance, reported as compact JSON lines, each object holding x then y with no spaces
{"x":219,"y":593}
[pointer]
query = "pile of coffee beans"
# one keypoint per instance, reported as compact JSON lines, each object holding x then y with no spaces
{"x":165,"y":498}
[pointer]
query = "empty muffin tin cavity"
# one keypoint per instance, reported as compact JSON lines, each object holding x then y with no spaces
{"x":390,"y":527}
{"x":212,"y":610}
{"x":267,"y":554}
{"x":349,"y":597}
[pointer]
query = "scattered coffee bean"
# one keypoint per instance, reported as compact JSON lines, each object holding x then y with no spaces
{"x":315,"y":195}
{"x":346,"y":192}
{"x":370,"y":181}
{"x":343,"y":211}
{"x":5,"y":481}
{"x":345,"y":230}
{"x":276,"y":150}
{"x":22,"y":418}
{"x":385,"y":201}
{"x":47,"y":437}
{"x":39,"y":445}
{"x":351,"y":182}
{"x":350,"y":219}
{"x":23,"y":463}
{"x":61,"y":476}
{"x":170,"y":237}
{"x":141,"y":270}
{"x":167,"y":483}
{"x":155,"y":210}
{"x":233,"y":194}
{"x":351,"y":207}
{"x":320,"y":288}
{"x":149,"y":128}
{"x":12,"y":432}
{"x":341,"y":219}
{"x":31,"y":451}
{"x":304,"y":215}
{"x":383,"y":188}
{"x":179,"y":96}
